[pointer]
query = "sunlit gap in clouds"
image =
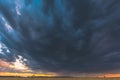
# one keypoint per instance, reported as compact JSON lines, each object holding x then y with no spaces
{"x":3,"y":48}
{"x":6,"y":24}
{"x":6,"y":27}
{"x":18,"y":7}
{"x":17,"y":65}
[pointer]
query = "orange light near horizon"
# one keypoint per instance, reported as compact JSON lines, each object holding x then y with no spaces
{"x":4,"y":64}
{"x":17,"y":65}
{"x":27,"y":74}
{"x":112,"y":75}
{"x":109,"y":75}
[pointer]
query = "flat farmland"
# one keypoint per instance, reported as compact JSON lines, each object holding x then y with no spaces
{"x":9,"y":78}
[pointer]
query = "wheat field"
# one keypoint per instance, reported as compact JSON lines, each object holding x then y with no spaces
{"x":9,"y":78}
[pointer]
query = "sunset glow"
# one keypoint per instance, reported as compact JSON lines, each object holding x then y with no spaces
{"x":20,"y":65}
{"x":17,"y":65}
{"x":27,"y":74}
{"x":109,"y":75}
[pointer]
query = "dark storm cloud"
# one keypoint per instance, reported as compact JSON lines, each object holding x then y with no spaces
{"x":64,"y":35}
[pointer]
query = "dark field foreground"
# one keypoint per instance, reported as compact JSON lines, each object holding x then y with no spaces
{"x":9,"y":78}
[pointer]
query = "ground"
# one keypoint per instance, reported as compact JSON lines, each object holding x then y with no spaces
{"x":9,"y":78}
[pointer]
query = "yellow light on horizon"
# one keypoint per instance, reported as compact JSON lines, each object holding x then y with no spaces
{"x":27,"y":74}
{"x":109,"y":75}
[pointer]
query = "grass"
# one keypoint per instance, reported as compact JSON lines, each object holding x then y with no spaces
{"x":14,"y":78}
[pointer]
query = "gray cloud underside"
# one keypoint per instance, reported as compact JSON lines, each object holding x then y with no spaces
{"x":64,"y":35}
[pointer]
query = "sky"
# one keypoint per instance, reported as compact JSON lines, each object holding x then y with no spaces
{"x":60,"y":36}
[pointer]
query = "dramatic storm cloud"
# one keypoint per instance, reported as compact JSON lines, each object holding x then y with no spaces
{"x":62,"y":36}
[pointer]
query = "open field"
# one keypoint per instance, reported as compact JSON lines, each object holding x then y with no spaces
{"x":9,"y":78}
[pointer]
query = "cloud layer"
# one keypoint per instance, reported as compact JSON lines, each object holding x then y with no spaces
{"x":79,"y":36}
